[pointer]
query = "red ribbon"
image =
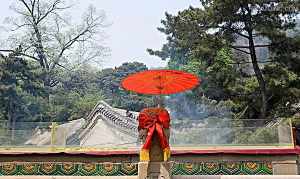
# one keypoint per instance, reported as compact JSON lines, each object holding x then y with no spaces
{"x":154,"y":120}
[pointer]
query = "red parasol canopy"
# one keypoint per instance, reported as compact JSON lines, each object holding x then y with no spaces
{"x":157,"y":82}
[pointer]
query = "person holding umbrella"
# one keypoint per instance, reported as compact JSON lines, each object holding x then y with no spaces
{"x":154,"y":122}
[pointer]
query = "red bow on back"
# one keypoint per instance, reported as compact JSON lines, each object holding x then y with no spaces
{"x":155,"y":120}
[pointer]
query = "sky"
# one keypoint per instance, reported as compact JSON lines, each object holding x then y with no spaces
{"x":133,"y":26}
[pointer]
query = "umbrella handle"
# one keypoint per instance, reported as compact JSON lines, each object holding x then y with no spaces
{"x":160,"y":101}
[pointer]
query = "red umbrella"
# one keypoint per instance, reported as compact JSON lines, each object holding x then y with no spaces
{"x":158,"y":82}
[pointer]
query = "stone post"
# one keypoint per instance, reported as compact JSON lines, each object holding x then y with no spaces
{"x":58,"y":136}
{"x":156,"y":168}
{"x":288,"y":167}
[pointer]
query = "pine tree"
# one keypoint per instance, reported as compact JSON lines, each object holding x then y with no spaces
{"x":20,"y":87}
{"x":201,"y":32}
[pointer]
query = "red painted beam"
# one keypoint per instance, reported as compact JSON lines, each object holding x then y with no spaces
{"x":271,"y":151}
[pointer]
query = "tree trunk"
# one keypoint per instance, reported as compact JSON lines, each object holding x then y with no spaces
{"x":43,"y":61}
{"x":259,"y":77}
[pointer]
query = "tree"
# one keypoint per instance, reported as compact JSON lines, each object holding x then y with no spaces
{"x":75,"y":96}
{"x":21,"y":90}
{"x":201,"y":32}
{"x":218,"y":79}
{"x":22,"y":94}
{"x":108,"y":81}
{"x":80,"y":80}
{"x":46,"y":36}
{"x":287,"y":53}
{"x":284,"y":88}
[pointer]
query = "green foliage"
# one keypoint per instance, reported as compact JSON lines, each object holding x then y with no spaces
{"x":81,"y":81}
{"x":287,"y":51}
{"x":222,"y":75}
{"x":108,"y":80}
{"x":21,"y":89}
{"x":206,"y":41}
{"x":75,"y":96}
{"x":72,"y":105}
{"x":195,"y":67}
{"x":23,"y":96}
{"x":284,"y":87}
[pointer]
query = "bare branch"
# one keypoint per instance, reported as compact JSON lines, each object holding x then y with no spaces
{"x":63,"y":66}
{"x":19,"y":26}
{"x":50,"y":9}
{"x":27,"y":48}
{"x":234,"y":31}
{"x":51,"y":40}
{"x":38,"y":9}
{"x":28,"y":8}
{"x":67,"y":46}
{"x":21,"y":54}
{"x":240,"y":50}
{"x":256,"y":46}
{"x":88,"y":59}
{"x":32,"y":4}
{"x":240,"y":63}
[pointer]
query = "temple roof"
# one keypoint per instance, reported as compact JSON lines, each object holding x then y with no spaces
{"x":104,"y":127}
